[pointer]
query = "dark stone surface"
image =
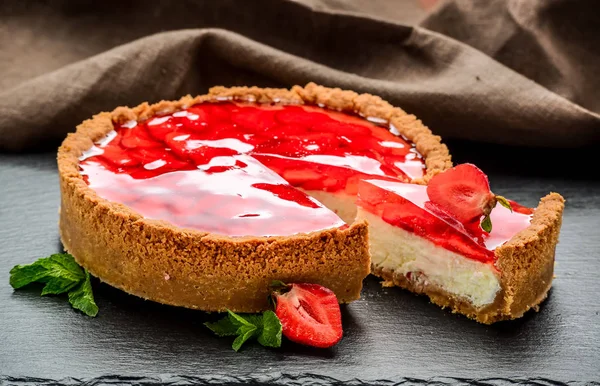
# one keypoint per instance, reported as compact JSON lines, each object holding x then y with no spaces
{"x":391,"y":336}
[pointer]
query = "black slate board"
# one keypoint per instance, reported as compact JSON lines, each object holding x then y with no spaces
{"x":390,"y":335}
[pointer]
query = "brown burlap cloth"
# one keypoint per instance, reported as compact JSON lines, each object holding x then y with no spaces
{"x":523,"y":72}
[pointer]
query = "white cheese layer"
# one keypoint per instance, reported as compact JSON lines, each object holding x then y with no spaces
{"x":403,"y":252}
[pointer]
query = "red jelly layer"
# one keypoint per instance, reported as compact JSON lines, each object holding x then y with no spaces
{"x":227,"y":167}
{"x":407,"y":206}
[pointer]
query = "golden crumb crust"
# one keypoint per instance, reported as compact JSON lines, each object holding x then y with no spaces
{"x":525,"y":264}
{"x":183,"y":267}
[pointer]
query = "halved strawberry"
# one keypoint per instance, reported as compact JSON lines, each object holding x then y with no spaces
{"x":309,"y":315}
{"x":463,"y":191}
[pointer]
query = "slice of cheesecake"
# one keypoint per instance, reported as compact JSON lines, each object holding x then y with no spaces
{"x":421,"y":245}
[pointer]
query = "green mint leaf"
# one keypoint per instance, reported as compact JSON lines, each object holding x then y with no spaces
{"x":22,"y":275}
{"x":504,"y":202}
{"x":248,"y":327}
{"x":60,"y":272}
{"x":270,"y":335}
{"x":245,"y":333}
{"x":239,"y":320}
{"x":254,"y":319}
{"x":66,"y":264}
{"x":82,"y":298}
{"x":57,"y":285}
{"x":266,"y":328}
{"x":223,"y":327}
{"x":486,"y":224}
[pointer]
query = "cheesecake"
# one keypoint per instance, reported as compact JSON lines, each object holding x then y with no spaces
{"x":204,"y":201}
{"x":430,"y":240}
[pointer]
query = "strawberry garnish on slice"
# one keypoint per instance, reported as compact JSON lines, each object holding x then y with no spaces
{"x":309,"y":314}
{"x":464,"y":192}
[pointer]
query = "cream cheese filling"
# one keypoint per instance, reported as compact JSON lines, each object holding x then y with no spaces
{"x":403,"y":252}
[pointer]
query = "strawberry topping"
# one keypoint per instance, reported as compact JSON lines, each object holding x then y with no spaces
{"x":409,"y":207}
{"x":309,"y":315}
{"x":249,"y":158}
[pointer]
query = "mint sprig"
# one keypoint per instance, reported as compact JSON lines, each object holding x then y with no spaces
{"x":486,"y":223}
{"x":504,"y":202}
{"x":266,"y":328}
{"x":270,"y":336}
{"x":59,"y":273}
{"x":82,"y":298}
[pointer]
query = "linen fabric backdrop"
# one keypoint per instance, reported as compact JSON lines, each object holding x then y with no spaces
{"x":503,"y":71}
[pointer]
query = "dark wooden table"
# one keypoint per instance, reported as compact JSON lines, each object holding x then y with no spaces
{"x":390,"y":335}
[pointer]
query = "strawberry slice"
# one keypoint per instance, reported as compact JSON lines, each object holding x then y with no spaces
{"x":189,"y":146}
{"x":297,"y":115}
{"x":463,"y":191}
{"x":253,"y":118}
{"x":138,"y":137}
{"x":118,"y":157}
{"x":309,"y":315}
{"x":210,"y":113}
{"x":161,"y":126}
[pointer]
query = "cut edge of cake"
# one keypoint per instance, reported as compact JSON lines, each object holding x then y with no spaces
{"x":518,"y":281}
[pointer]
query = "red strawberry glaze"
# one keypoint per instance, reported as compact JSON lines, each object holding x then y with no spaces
{"x":231,"y":168}
{"x":407,"y":206}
